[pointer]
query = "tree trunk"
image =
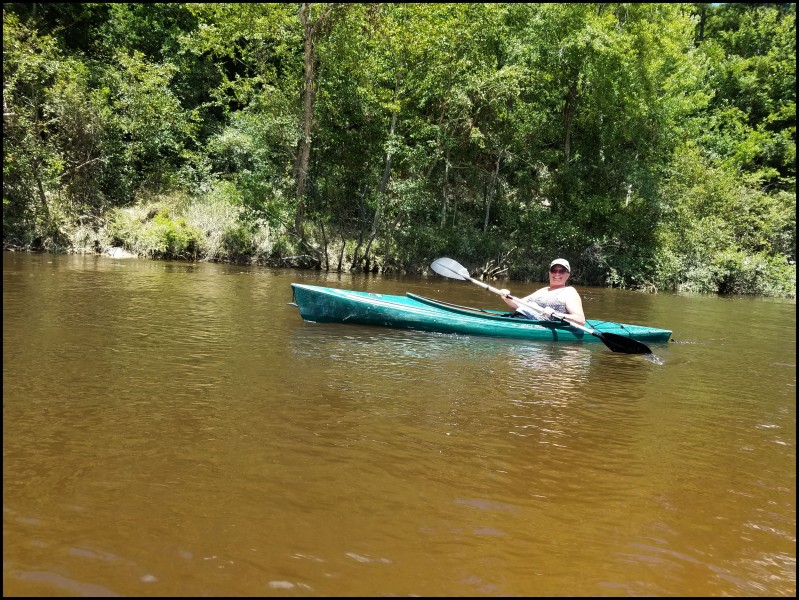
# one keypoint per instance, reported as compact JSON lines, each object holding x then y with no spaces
{"x":324,"y":245}
{"x":568,"y":116}
{"x":305,"y":141}
{"x":42,"y":195}
{"x":491,"y":191}
{"x":37,"y":175}
{"x":381,"y":193}
{"x":446,"y":192}
{"x":702,"y":21}
{"x":309,"y":27}
{"x":361,"y":222}
{"x":343,"y":237}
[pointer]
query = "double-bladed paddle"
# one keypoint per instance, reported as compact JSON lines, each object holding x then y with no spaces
{"x":618,"y":343}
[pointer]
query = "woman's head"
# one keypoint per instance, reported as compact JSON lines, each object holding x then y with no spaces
{"x":559,"y":271}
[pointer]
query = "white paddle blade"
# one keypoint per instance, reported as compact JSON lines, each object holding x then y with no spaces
{"x":449,"y":268}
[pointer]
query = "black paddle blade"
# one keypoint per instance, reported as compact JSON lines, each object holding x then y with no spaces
{"x":619,"y":343}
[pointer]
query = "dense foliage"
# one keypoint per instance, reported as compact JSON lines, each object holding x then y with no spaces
{"x":654,"y":145}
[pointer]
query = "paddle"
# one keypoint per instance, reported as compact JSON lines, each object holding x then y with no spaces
{"x":618,"y":343}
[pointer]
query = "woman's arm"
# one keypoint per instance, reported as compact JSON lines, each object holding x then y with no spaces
{"x":574,"y":306}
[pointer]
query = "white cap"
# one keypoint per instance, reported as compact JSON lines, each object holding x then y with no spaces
{"x":562,"y":262}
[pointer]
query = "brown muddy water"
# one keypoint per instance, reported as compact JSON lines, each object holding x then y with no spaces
{"x":174,"y":429}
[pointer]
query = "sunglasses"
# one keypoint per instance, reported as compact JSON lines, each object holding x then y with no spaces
{"x":558,"y":271}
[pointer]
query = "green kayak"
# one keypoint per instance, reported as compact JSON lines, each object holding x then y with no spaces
{"x":330,"y":305}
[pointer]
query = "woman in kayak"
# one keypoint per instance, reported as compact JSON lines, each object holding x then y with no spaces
{"x":558,"y":297}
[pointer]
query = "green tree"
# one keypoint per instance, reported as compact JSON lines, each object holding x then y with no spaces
{"x":51,"y":135}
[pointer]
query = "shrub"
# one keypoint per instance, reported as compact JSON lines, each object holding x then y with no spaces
{"x":151,"y":231}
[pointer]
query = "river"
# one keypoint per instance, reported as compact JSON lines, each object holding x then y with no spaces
{"x":176,"y":429}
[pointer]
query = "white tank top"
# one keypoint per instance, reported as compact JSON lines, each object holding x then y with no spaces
{"x":554,"y":299}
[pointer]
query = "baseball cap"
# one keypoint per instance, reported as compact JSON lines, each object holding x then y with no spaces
{"x":562,"y":262}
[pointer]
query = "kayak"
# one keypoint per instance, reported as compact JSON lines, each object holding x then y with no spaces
{"x":332,"y":305}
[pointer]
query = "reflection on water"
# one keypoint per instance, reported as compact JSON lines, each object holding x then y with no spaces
{"x":176,"y":429}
